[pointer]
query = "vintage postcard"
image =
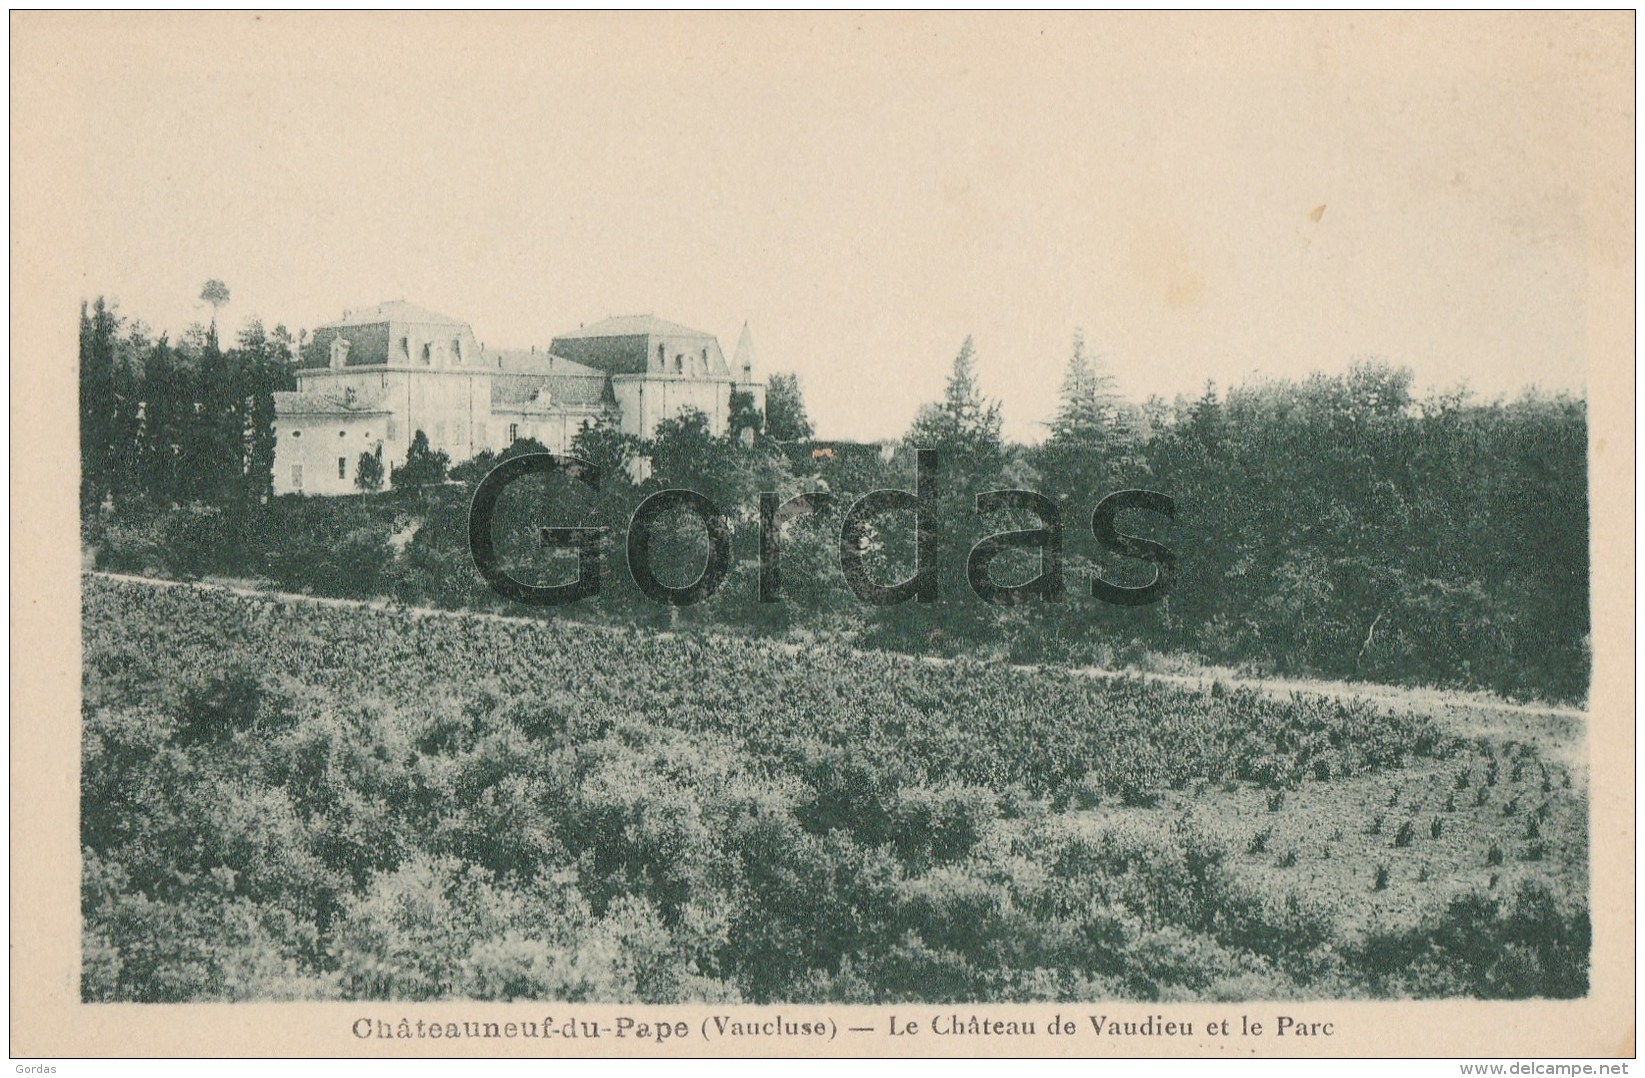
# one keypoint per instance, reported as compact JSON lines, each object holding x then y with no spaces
{"x":822,"y":534}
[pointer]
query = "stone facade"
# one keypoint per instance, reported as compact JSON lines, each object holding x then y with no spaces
{"x":370,"y":381}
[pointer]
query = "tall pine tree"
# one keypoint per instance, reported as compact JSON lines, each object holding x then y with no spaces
{"x":785,"y":417}
{"x":213,"y":452}
{"x":108,"y":407}
{"x":1094,"y":442}
{"x":965,"y":425}
{"x":261,"y":366}
{"x":1088,"y":410}
{"x":167,"y":391}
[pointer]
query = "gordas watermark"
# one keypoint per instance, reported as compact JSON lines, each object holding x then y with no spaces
{"x":775,"y":514}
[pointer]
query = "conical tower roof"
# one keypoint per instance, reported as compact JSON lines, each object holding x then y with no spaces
{"x":743,"y":359}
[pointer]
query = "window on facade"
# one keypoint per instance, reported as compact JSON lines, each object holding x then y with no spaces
{"x":296,"y":434}
{"x":662,"y":358}
{"x":457,"y":349}
{"x":342,"y":467}
{"x":440,"y":433}
{"x":405,"y":347}
{"x":428,"y":353}
{"x":296,"y":477}
{"x":342,"y":434}
{"x":679,"y":364}
{"x":513,"y":433}
{"x":393,"y":429}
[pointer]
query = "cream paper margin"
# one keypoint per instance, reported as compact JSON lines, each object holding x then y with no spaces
{"x":47,"y":217}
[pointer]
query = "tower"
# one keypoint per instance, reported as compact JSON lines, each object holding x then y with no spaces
{"x":742,"y":363}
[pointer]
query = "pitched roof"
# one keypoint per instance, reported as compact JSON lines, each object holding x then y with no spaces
{"x":393,"y":311}
{"x":532,"y":361}
{"x":517,"y":390}
{"x":633,"y":325}
{"x":323,"y":403}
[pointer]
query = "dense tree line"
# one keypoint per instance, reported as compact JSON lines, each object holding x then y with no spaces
{"x":1339,"y":526}
{"x":1332,"y":526}
{"x":166,"y":423}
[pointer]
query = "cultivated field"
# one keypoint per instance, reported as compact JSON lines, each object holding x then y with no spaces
{"x":300,"y":799}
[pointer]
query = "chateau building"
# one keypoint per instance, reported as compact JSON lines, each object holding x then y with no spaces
{"x":370,"y":381}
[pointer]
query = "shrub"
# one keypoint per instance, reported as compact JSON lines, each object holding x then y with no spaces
{"x":1138,"y":776}
{"x":196,"y":540}
{"x":133,"y":544}
{"x":936,"y":825}
{"x":423,"y":466}
{"x":218,"y":706}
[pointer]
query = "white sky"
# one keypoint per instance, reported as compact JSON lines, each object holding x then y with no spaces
{"x":865,"y":192}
